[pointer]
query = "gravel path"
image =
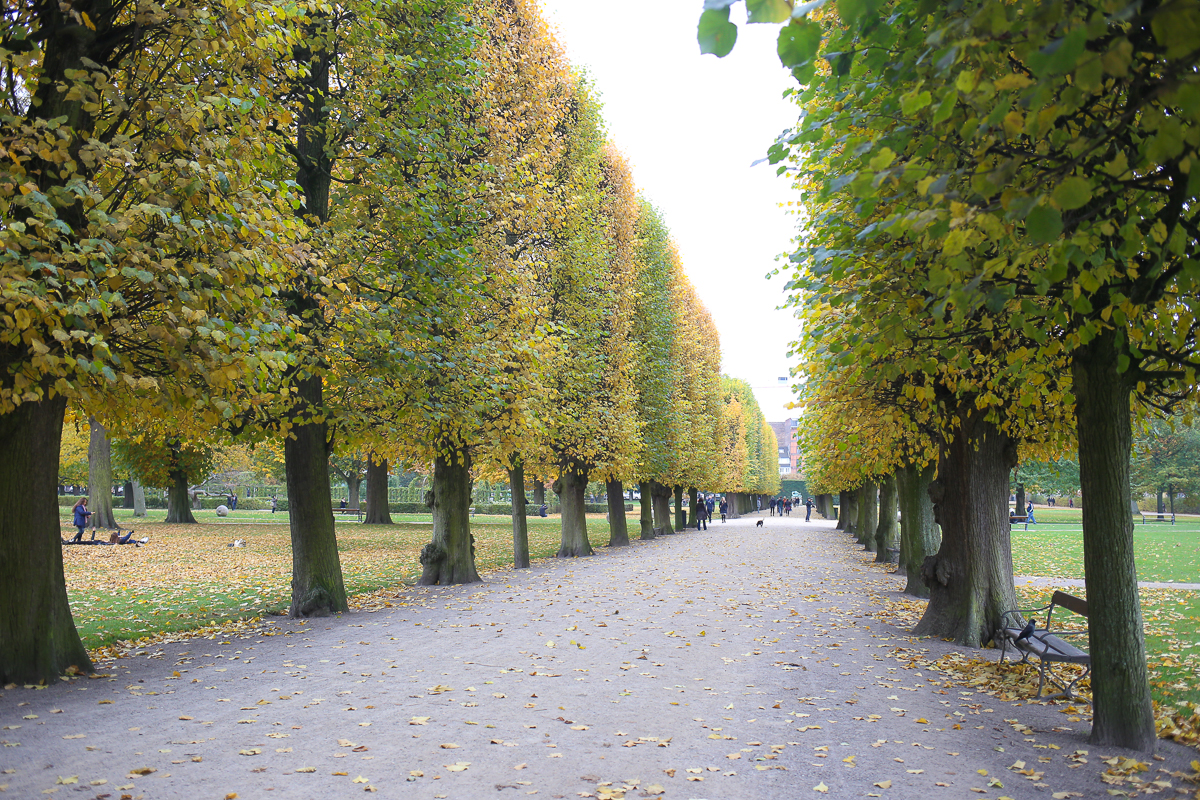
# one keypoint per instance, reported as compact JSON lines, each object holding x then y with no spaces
{"x":734,"y":663}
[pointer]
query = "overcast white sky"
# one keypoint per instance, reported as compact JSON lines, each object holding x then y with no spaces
{"x":691,"y":125}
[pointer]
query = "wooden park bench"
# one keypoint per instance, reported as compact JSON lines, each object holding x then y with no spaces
{"x":1049,"y":647}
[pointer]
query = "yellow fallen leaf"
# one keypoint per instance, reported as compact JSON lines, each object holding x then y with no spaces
{"x":694,"y":770}
{"x":418,"y":721}
{"x":884,"y":784}
{"x":982,"y":772}
{"x":66,"y":781}
{"x":449,"y":746}
{"x":186,"y":717}
{"x":416,"y":773}
{"x":821,"y":787}
{"x":343,"y":774}
{"x":922,"y":721}
{"x":307,"y":769}
{"x":231,"y":796}
{"x":457,"y":767}
{"x":360,"y":779}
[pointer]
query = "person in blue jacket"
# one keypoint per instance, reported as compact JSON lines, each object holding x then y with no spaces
{"x":81,"y":514}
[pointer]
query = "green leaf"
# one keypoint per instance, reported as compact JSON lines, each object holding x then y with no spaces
{"x":912,"y":103}
{"x":851,"y":10}
{"x":716,"y":34}
{"x":799,"y":42}
{"x":1073,"y":193}
{"x":1060,"y":56}
{"x":1044,"y":224}
{"x":1176,"y":26}
{"x":769,"y":10}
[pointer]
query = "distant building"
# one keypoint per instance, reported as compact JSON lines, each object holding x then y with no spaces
{"x":789,"y":450}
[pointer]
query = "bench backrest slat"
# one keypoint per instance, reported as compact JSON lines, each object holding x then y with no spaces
{"x":1070,"y":602}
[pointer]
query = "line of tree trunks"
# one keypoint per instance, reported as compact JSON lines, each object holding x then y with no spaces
{"x":618,"y":526}
{"x":317,"y":586}
{"x":1019,"y":497}
{"x":919,"y":534}
{"x":38,"y":640}
{"x":100,"y":477}
{"x":379,"y":511}
{"x":850,"y":511}
{"x":1123,"y":714}
{"x":692,"y":510}
{"x":646,"y":506}
{"x":970,"y":579}
{"x":127,"y":495}
{"x":520,"y":524}
{"x":680,"y":513}
{"x":539,"y":492}
{"x":868,"y":514}
{"x":450,"y":557}
{"x":571,"y":488}
{"x":887,"y":531}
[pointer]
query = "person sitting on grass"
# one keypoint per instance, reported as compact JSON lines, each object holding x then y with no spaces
{"x":81,"y":514}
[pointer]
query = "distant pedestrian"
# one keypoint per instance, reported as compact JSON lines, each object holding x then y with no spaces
{"x":701,"y":517}
{"x":711,"y":505}
{"x":274,"y":504}
{"x":80,"y":516}
{"x":724,"y":508}
{"x":808,"y":507}
{"x":773,"y":502}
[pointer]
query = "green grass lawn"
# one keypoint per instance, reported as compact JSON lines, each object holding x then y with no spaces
{"x":1164,"y":553}
{"x":189,"y":577}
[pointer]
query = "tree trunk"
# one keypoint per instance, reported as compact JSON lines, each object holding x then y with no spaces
{"x":850,"y":511}
{"x":646,"y":504}
{"x":1171,"y":498}
{"x":662,"y":507}
{"x":127,"y":495}
{"x":38,"y":639}
{"x":919,"y":534}
{"x":843,"y":518}
{"x":520,"y":525}
{"x":179,"y":510}
{"x":680,"y":514}
{"x":378,"y":510}
{"x":450,"y":558}
{"x":139,"y":499}
{"x":971,"y":578}
{"x":618,"y":526}
{"x":100,"y":477}
{"x":868,"y":514}
{"x":1123,"y":716}
{"x":1020,"y":498}
{"x":886,"y":532}
{"x":571,"y":487}
{"x":353,"y":482}
{"x":733,"y":502}
{"x":539,"y":492}
{"x":693,"y":518}
{"x":317,"y":587}
{"x":1160,"y":505}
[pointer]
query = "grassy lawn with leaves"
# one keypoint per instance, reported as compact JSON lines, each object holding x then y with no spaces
{"x":189,"y":577}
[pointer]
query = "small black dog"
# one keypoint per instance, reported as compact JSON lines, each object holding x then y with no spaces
{"x":758,"y":524}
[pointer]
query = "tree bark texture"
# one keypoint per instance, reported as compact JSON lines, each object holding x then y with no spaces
{"x":887,"y":531}
{"x":850,"y":511}
{"x":127,"y":495}
{"x":450,"y":558}
{"x":1123,"y":716}
{"x":100,"y":477}
{"x":734,"y":503}
{"x":618,"y":526}
{"x":919,"y":534}
{"x":680,"y":514}
{"x":970,"y":579}
{"x":378,"y":510}
{"x":520,"y":525}
{"x":139,"y":499}
{"x":843,"y":518}
{"x":179,"y":510}
{"x":662,"y":507}
{"x":539,"y":492}
{"x":868,"y":514}
{"x":692,"y":497}
{"x":38,"y":640}
{"x":572,"y":485}
{"x":317,"y":587}
{"x":353,"y":484}
{"x":646,"y":505}
{"x":1019,"y":498}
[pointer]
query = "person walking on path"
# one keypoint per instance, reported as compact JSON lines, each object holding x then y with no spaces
{"x":773,"y":502}
{"x":701,"y":516}
{"x":711,"y":505}
{"x":724,"y":508}
{"x":808,"y":507}
{"x":274,"y":503}
{"x":80,"y":516}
